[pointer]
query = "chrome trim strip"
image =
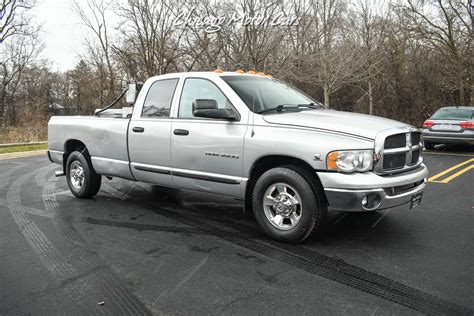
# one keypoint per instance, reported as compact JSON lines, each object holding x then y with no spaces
{"x":109,"y":160}
{"x":184,"y":173}
{"x":206,"y":176}
{"x":151,"y":168}
{"x":396,"y":150}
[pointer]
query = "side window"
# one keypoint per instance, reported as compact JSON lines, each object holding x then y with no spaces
{"x":158,"y":99}
{"x":195,"y":88}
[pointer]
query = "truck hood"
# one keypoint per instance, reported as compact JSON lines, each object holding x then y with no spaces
{"x":338,"y":121}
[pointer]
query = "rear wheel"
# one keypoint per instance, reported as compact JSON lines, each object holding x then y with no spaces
{"x":288,"y":204}
{"x":82,"y":180}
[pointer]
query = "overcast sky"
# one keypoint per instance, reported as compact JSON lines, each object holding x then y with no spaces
{"x":62,"y":32}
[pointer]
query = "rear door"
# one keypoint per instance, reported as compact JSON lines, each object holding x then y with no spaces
{"x":206,"y":153}
{"x":149,"y":134}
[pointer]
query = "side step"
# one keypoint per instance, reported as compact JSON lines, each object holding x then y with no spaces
{"x":58,"y":173}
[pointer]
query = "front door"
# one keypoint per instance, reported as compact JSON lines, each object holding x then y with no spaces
{"x":149,"y":135}
{"x":206,"y":154}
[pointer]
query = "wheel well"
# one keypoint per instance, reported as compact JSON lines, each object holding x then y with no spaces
{"x":268,"y":162}
{"x":70,"y":146}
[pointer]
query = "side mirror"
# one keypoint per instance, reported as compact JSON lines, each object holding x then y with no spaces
{"x":131,"y":92}
{"x":208,"y":108}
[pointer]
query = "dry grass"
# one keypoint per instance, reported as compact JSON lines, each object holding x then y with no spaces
{"x":23,"y":134}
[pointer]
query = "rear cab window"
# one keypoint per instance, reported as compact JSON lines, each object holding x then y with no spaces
{"x":158,"y":99}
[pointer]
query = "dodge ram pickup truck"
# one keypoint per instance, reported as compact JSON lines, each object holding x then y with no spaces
{"x":247,"y":136}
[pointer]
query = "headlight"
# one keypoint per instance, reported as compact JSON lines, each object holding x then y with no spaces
{"x":350,"y":160}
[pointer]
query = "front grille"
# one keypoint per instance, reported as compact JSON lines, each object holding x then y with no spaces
{"x":395,"y":141}
{"x":415,"y":138}
{"x":394,"y":161}
{"x":401,"y":151}
{"x":402,"y":188}
{"x":415,"y":156}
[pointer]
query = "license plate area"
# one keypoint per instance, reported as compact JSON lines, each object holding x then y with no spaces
{"x":416,"y":200}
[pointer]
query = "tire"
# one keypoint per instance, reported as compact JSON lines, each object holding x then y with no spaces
{"x":82,"y":180}
{"x":429,"y":145}
{"x":286,"y":185}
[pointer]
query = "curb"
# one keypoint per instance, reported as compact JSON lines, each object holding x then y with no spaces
{"x":22,"y":154}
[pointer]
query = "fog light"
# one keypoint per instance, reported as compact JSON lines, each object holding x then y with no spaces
{"x":364,"y":201}
{"x":371,"y":201}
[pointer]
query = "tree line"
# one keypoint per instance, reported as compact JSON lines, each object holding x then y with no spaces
{"x":401,"y":59}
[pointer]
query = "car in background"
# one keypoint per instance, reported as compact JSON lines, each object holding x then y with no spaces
{"x":449,"y":125}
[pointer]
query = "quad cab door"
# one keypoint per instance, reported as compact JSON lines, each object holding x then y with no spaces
{"x":206,"y":153}
{"x":149,"y":134}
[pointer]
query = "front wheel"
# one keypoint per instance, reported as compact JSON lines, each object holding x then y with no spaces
{"x":288,"y":204}
{"x":82,"y":180}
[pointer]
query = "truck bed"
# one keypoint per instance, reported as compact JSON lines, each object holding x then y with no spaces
{"x":104,"y":137}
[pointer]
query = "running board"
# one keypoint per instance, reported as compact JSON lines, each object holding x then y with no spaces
{"x":58,"y":173}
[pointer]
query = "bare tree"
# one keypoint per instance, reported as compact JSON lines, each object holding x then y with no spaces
{"x":447,"y":26}
{"x":16,"y":57}
{"x":148,"y":36}
{"x":337,"y":58}
{"x":371,"y":21}
{"x":12,"y":18}
{"x":93,"y":14}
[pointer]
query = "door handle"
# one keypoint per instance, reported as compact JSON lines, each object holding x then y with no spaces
{"x":138,"y":129}
{"x":181,"y":132}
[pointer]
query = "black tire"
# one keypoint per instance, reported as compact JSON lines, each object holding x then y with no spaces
{"x":90,"y":179}
{"x":313,"y":208}
{"x":429,"y":145}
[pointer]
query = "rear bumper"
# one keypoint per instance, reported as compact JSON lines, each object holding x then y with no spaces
{"x":346,"y":192}
{"x":448,"y":140}
{"x":465,"y":137}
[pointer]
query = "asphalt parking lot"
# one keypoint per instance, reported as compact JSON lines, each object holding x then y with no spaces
{"x":140,"y":249}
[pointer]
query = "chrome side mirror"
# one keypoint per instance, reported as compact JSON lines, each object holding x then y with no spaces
{"x":131,"y":92}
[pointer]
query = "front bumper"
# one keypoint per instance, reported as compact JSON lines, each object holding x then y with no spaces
{"x":345,"y":192}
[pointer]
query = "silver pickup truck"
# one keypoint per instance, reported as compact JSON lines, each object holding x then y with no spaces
{"x":250,"y":137}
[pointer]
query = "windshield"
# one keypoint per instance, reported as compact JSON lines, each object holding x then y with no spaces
{"x":261,"y":94}
{"x":452,"y":114}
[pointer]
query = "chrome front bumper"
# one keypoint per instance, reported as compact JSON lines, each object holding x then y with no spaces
{"x":345,"y":192}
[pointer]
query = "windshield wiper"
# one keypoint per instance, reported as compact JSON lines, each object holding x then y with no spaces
{"x":281,"y":107}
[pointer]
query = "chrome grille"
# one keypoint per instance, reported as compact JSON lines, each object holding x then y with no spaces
{"x":398,"y":151}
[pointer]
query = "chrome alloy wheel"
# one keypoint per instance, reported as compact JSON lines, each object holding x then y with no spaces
{"x":76,"y":173}
{"x":282,"y":206}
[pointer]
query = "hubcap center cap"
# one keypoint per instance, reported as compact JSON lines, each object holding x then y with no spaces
{"x":284,"y":205}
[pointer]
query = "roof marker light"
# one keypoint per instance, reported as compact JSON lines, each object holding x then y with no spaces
{"x":240,"y":71}
{"x":218,"y":70}
{"x":251,"y":72}
{"x":261,"y":73}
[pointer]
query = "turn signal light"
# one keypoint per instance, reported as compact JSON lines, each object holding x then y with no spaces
{"x":331,"y":161}
{"x":428,"y":124}
{"x":467,"y":125}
